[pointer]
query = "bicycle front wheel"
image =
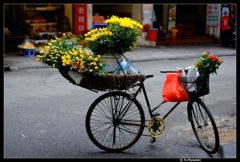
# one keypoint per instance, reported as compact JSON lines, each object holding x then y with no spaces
{"x":115,"y":122}
{"x":203,"y":125}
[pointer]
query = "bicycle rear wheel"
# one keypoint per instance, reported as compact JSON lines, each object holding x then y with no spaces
{"x":203,"y":125}
{"x":115,"y":122}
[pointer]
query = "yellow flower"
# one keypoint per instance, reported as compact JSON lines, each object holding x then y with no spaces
{"x":45,"y":53}
{"x":87,"y":52}
{"x":75,"y":52}
{"x":38,"y":58}
{"x":70,"y":52}
{"x":90,"y":57}
{"x":80,"y":51}
{"x":81,"y":56}
{"x":93,"y":63}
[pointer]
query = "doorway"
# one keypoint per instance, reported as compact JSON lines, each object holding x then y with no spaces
{"x":193,"y":18}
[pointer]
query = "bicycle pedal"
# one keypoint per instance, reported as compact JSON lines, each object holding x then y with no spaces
{"x":153,"y":139}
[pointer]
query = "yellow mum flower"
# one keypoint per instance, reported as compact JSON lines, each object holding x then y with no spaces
{"x":90,"y":57}
{"x":93,"y":63}
{"x":75,"y":53}
{"x":96,"y":59}
{"x":87,"y":52}
{"x":70,"y":52}
{"x":81,"y":56}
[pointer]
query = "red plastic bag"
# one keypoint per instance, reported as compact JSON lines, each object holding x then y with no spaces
{"x":173,"y":90}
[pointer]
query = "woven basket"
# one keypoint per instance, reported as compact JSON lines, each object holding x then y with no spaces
{"x":105,"y":82}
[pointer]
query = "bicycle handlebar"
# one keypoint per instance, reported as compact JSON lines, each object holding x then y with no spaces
{"x":169,"y":71}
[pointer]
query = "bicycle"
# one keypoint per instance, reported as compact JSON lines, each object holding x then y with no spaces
{"x":116,"y":120}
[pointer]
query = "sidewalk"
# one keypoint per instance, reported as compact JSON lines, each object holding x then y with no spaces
{"x":16,"y":61}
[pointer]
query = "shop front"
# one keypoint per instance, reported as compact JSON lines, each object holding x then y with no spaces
{"x":189,"y":21}
{"x":38,"y":22}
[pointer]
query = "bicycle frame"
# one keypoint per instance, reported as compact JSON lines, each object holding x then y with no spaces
{"x":150,"y":110}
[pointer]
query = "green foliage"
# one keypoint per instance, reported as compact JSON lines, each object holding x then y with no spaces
{"x":208,"y":64}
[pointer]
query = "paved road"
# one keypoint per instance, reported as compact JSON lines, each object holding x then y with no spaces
{"x":44,"y":115}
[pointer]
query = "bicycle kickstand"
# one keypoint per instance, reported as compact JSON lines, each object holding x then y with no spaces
{"x":153,"y":139}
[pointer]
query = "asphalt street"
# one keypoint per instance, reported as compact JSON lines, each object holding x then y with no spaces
{"x":44,"y":115}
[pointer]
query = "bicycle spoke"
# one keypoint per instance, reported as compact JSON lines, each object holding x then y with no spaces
{"x":101,"y":115}
{"x":204,"y":127}
{"x":195,"y":116}
{"x":115,"y":121}
{"x":125,"y":110}
{"x":120,"y":110}
{"x":103,"y":111}
{"x":106,"y":106}
{"x":124,"y":137}
{"x":109,"y":137}
{"x":200,"y":110}
{"x":100,"y":134}
{"x":114,"y":134}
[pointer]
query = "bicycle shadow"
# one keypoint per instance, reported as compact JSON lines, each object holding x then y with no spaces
{"x":112,"y":154}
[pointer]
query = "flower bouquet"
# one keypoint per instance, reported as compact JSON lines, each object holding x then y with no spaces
{"x":112,"y":41}
{"x":71,"y":58}
{"x":118,"y":37}
{"x":81,"y":66}
{"x":208,"y":64}
{"x":196,"y":81}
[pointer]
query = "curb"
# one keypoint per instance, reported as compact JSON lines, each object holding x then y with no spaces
{"x":175,"y":58}
{"x":15,"y":67}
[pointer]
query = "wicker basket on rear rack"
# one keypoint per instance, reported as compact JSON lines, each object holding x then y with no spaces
{"x":105,"y":82}
{"x":200,"y":84}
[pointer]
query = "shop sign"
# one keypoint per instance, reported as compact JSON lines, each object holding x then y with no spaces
{"x":80,"y":18}
{"x":147,"y":17}
{"x":213,"y":13}
{"x":225,"y":18}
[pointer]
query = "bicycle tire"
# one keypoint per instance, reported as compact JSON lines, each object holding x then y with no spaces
{"x":198,"y":114}
{"x":115,"y":120}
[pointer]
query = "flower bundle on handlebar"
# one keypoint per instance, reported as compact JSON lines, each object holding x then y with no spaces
{"x":195,"y":79}
{"x":190,"y":82}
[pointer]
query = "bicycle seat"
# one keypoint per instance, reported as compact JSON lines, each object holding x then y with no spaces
{"x":148,"y":76}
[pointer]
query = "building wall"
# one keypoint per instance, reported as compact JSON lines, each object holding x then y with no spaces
{"x":137,"y":12}
{"x":89,"y":16}
{"x":68,"y":12}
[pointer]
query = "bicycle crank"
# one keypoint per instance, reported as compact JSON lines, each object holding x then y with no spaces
{"x":156,"y":126}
